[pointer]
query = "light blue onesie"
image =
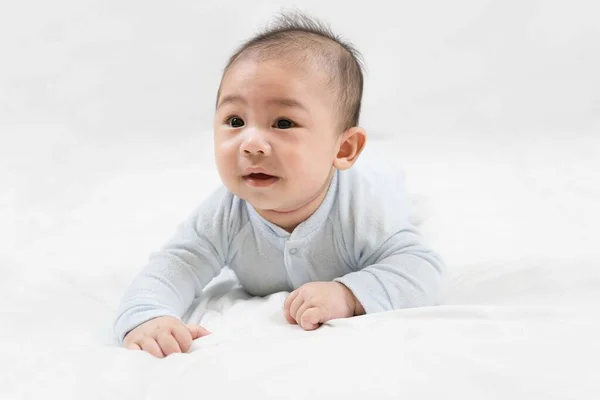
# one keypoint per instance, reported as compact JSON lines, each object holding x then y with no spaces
{"x":361,"y":235}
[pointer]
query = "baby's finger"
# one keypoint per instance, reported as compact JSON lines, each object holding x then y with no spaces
{"x":167,"y":343}
{"x":296,"y":304}
{"x":298,"y":315}
{"x":312,"y":318}
{"x":288,"y":301}
{"x":184,"y":337}
{"x":197,"y":331}
{"x":149,"y":345}
{"x":288,"y":316}
{"x":286,"y":307}
{"x":133,"y":346}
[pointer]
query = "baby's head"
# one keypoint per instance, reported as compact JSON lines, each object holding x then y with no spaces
{"x":287,"y":116}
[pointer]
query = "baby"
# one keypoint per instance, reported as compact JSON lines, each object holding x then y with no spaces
{"x":297,"y":212}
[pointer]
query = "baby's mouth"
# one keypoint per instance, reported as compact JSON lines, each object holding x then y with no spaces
{"x":260,"y":180}
{"x":260,"y":176}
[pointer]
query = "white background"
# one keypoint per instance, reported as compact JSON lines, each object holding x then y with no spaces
{"x":491,"y":107}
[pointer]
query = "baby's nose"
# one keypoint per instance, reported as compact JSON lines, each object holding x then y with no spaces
{"x":255,"y":144}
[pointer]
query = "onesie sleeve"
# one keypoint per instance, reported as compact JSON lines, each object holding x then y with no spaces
{"x":403,"y":273}
{"x":394,"y":267}
{"x":179,"y":271}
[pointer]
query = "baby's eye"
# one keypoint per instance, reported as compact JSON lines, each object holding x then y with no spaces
{"x":284,"y":124}
{"x":235,"y":122}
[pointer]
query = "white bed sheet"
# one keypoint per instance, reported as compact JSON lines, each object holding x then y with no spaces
{"x":497,"y":350}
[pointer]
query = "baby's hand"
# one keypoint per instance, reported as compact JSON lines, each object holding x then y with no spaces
{"x":317,"y":302}
{"x":163,"y":336}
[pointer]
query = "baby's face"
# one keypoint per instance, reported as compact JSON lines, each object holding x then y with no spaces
{"x":276,"y":135}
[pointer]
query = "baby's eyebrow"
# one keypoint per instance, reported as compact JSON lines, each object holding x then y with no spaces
{"x":287,"y":102}
{"x":282,"y":101}
{"x":232,"y":98}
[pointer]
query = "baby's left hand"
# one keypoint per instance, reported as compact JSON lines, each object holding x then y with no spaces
{"x":317,"y":302}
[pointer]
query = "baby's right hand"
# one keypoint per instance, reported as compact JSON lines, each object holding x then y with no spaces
{"x":163,"y":336}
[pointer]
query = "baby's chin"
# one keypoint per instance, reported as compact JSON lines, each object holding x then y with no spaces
{"x":259,"y":201}
{"x":274,"y":200}
{"x":270,"y":206}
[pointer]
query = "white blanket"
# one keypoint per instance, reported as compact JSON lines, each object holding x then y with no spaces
{"x":500,"y":350}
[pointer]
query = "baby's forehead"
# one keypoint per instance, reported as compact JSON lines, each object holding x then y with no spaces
{"x":270,"y":73}
{"x":312,"y":66}
{"x":300,"y":69}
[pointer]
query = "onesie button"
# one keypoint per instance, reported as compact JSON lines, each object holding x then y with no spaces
{"x":293,"y":251}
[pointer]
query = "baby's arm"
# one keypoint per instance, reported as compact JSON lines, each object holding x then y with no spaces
{"x":406,"y":274}
{"x":178,"y":272}
{"x":403,"y":273}
{"x":395,"y":267}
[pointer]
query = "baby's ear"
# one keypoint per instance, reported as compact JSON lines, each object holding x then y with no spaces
{"x":352,"y":143}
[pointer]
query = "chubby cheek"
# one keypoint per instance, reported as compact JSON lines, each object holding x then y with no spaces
{"x":225,"y":157}
{"x":307,"y":168}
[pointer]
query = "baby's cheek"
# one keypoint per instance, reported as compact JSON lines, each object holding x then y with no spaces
{"x":225,"y":157}
{"x":225,"y":149}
